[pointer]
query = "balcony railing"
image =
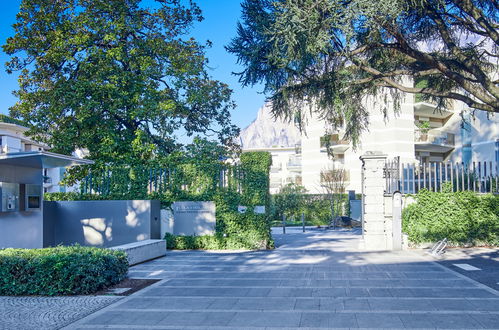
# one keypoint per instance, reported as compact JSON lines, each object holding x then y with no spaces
{"x":443,"y":139}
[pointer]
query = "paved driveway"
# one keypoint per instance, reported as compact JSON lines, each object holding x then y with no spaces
{"x":314,"y":280}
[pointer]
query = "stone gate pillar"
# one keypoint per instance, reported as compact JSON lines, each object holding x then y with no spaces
{"x":373,"y":189}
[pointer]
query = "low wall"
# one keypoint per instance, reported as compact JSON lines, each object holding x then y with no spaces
{"x":143,"y":251}
{"x":101,"y":223}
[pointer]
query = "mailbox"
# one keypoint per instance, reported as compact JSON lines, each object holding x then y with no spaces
{"x":33,"y":199}
{"x":9,"y":193}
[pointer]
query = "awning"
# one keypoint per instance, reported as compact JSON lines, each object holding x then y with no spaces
{"x":41,"y":159}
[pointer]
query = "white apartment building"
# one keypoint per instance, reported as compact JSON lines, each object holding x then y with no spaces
{"x":419,"y":132}
{"x":13,"y":139}
{"x":286,"y":166}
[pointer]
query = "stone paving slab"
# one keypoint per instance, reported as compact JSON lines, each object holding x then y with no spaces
{"x":48,"y":312}
{"x":314,"y":280}
{"x":485,"y":259}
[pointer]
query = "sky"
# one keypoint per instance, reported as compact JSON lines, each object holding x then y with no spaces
{"x":219,"y":26}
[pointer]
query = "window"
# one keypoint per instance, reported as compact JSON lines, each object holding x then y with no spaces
{"x":466,"y":139}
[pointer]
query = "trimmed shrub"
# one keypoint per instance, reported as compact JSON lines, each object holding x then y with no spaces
{"x":249,"y":240}
{"x":68,"y":270}
{"x":464,"y":218}
{"x":293,"y":200}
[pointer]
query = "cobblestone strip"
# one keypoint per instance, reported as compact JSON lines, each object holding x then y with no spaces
{"x":48,"y":312}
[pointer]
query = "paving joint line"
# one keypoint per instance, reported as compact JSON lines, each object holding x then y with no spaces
{"x":478,"y":284}
{"x":314,"y":287}
{"x":309,"y":311}
{"x":77,"y":323}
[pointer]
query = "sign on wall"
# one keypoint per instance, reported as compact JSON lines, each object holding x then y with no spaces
{"x":194,"y":218}
{"x":259,"y":209}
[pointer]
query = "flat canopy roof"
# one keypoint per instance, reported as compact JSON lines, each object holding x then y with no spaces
{"x":41,"y":159}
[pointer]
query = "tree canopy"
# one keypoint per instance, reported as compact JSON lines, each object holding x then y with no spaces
{"x":115,"y":77}
{"x":333,"y":53}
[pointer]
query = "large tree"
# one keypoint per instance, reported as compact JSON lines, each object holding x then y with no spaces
{"x":333,"y":53}
{"x":116,"y":77}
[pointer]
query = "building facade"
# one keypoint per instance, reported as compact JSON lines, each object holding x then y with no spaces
{"x":13,"y":139}
{"x":418,"y":132}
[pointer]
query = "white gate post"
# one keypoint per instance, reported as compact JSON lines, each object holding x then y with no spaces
{"x":373,"y":187}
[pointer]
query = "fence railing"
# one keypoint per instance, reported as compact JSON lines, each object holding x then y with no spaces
{"x":443,"y":139}
{"x":409,"y":178}
{"x":163,"y":180}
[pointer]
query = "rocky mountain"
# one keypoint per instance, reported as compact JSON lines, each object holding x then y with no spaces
{"x":266,"y":131}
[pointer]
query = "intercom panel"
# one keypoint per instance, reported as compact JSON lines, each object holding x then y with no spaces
{"x":9,"y":193}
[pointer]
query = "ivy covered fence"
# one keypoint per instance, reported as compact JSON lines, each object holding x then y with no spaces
{"x":229,"y":186}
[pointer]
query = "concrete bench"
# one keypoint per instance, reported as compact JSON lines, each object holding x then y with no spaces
{"x":138,"y":252}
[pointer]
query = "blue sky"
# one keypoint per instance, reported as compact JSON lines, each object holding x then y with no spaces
{"x":219,"y":26}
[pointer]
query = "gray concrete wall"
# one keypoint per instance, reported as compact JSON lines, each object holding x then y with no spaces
{"x":102,"y":223}
{"x":21,"y":229}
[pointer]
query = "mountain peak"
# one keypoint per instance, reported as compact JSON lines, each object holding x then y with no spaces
{"x":267,"y":131}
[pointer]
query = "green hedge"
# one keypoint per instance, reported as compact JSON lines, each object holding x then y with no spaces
{"x":10,"y":120}
{"x":251,"y":240}
{"x":293,"y":201}
{"x":70,"y":270}
{"x":464,"y":218}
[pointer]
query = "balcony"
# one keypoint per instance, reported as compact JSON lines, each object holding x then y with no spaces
{"x":334,"y":144}
{"x":335,"y":179}
{"x":440,"y":142}
{"x":294,"y":164}
{"x":276,"y":169}
{"x":428,"y":110}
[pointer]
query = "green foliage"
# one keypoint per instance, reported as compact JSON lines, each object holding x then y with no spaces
{"x":327,"y":55}
{"x":246,"y":184}
{"x":288,"y":202}
{"x":247,"y":240}
{"x":293,"y":200}
{"x":69,"y":270}
{"x":117,"y":78}
{"x":256,"y":182}
{"x":424,"y":126}
{"x":10,"y":120}
{"x":464,"y":218}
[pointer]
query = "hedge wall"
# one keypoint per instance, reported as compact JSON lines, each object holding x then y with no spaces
{"x":60,"y":270}
{"x":246,"y":184}
{"x":464,"y":218}
{"x":316,"y":207}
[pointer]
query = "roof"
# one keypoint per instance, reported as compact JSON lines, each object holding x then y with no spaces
{"x":41,"y":159}
{"x":10,"y":120}
{"x":269,"y":149}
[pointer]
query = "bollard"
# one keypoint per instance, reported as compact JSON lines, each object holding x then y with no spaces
{"x":283,"y":224}
{"x":303,"y":221}
{"x":397,"y":221}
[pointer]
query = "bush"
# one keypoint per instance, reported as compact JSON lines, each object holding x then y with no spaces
{"x":464,"y":218}
{"x":244,"y":241}
{"x":70,"y":270}
{"x":293,"y":200}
